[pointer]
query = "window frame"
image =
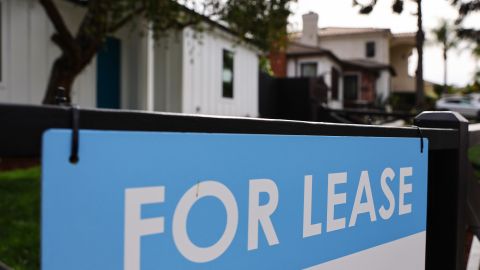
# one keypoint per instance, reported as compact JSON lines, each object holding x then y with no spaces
{"x":372,"y":49}
{"x":225,"y":95}
{"x":307,"y":64}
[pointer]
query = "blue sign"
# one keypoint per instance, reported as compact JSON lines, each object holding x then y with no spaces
{"x":164,"y":200}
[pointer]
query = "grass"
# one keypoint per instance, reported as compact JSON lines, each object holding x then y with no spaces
{"x":20,"y":218}
{"x":474,"y":158}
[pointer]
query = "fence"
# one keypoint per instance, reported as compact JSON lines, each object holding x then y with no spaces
{"x":447,"y":132}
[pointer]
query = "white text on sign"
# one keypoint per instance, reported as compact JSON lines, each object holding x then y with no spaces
{"x":259,"y":216}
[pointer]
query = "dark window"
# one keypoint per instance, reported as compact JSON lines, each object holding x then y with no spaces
{"x":227,"y":74}
{"x":370,"y":49}
{"x":335,"y":76}
{"x":309,"y":70}
{"x":350,"y":87}
{"x":109,"y":74}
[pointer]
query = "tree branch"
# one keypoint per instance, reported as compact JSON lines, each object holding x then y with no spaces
{"x":120,"y":23}
{"x":365,"y":8}
{"x":67,"y":42}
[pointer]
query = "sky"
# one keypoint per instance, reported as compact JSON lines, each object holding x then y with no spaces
{"x":461,"y":65}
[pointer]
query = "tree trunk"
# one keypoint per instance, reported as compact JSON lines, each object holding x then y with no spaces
{"x":420,"y":37}
{"x":61,"y":75}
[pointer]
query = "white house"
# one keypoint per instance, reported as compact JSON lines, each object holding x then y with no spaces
{"x":361,"y":66}
{"x":206,"y":72}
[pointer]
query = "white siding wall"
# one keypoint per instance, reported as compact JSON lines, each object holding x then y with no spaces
{"x":354,"y":46}
{"x":188,"y":71}
{"x":202,"y":75}
{"x":168,"y":73}
{"x":30,"y":54}
{"x":134,"y":78}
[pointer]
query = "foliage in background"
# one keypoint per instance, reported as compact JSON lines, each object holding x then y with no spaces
{"x":445,"y":35}
{"x":265,"y":66}
{"x":20,"y":218}
{"x":262,"y":21}
{"x":465,"y":8}
{"x":367,"y":6}
{"x":474,"y":158}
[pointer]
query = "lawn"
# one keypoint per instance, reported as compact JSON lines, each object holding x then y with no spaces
{"x":20,"y":218}
{"x":474,"y":157}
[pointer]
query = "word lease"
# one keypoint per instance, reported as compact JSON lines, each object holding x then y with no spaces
{"x":395,"y":185}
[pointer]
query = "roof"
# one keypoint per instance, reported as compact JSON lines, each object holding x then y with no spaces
{"x":369,"y":65}
{"x":348,"y":31}
{"x":296,"y":49}
{"x":405,"y":35}
{"x":339,"y":31}
{"x":407,"y":38}
{"x":219,"y":24}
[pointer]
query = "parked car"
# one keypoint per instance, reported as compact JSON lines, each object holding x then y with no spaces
{"x":468,"y":106}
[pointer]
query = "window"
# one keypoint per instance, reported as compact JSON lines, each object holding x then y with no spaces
{"x":308,"y":70}
{"x":227,"y":74}
{"x":370,"y":49}
{"x":350,"y":87}
{"x":335,"y":76}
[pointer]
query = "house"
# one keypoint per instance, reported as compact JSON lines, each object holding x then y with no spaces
{"x":186,"y":71}
{"x":361,"y":66}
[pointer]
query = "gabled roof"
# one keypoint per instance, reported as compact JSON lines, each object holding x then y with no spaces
{"x":213,"y":23}
{"x":296,"y":49}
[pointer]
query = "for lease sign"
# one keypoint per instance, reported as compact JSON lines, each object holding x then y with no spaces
{"x":140,"y":200}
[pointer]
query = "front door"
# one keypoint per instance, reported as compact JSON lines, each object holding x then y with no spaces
{"x":350,"y":88}
{"x":108,"y":74}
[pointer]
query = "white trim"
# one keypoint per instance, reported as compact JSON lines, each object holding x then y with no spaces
{"x":302,"y":63}
{"x":227,"y":100}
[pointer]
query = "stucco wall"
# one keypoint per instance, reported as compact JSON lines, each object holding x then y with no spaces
{"x":354,"y":46}
{"x":399,"y":56}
